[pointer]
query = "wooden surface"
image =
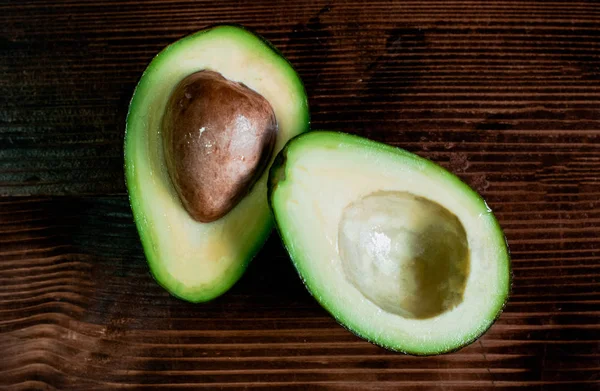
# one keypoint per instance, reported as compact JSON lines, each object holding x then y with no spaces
{"x":504,"y":93}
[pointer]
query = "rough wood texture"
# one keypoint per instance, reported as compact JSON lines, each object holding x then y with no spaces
{"x":80,"y":311}
{"x":504,"y":93}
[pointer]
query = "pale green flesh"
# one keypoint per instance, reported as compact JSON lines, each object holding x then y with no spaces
{"x":319,"y":174}
{"x":199,"y":261}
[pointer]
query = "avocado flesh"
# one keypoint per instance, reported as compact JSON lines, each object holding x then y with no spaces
{"x":199,"y":261}
{"x":400,"y":251}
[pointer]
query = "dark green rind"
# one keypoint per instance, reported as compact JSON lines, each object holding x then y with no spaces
{"x":277,"y":174}
{"x":228,"y":280}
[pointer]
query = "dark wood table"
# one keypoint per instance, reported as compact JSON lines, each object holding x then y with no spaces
{"x":504,"y":93}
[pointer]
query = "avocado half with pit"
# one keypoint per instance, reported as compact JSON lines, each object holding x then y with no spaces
{"x":205,"y":121}
{"x":400,"y":251}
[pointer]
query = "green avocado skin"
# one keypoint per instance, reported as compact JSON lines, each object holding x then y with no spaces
{"x":277,"y":175}
{"x":136,"y":188}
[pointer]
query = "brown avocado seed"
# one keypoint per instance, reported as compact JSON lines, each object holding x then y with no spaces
{"x":218,"y":138}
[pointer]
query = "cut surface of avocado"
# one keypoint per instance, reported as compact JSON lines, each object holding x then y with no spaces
{"x":400,"y":251}
{"x":199,"y":261}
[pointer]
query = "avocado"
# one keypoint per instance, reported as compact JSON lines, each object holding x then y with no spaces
{"x":206,"y":118}
{"x":400,"y":251}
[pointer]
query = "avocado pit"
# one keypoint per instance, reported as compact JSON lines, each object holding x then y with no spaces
{"x":218,"y":137}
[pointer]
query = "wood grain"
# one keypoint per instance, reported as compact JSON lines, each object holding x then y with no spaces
{"x":488,"y":82}
{"x":504,"y":93}
{"x":80,"y":311}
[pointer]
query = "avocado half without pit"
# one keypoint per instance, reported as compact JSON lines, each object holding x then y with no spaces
{"x":204,"y":123}
{"x":400,"y":251}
